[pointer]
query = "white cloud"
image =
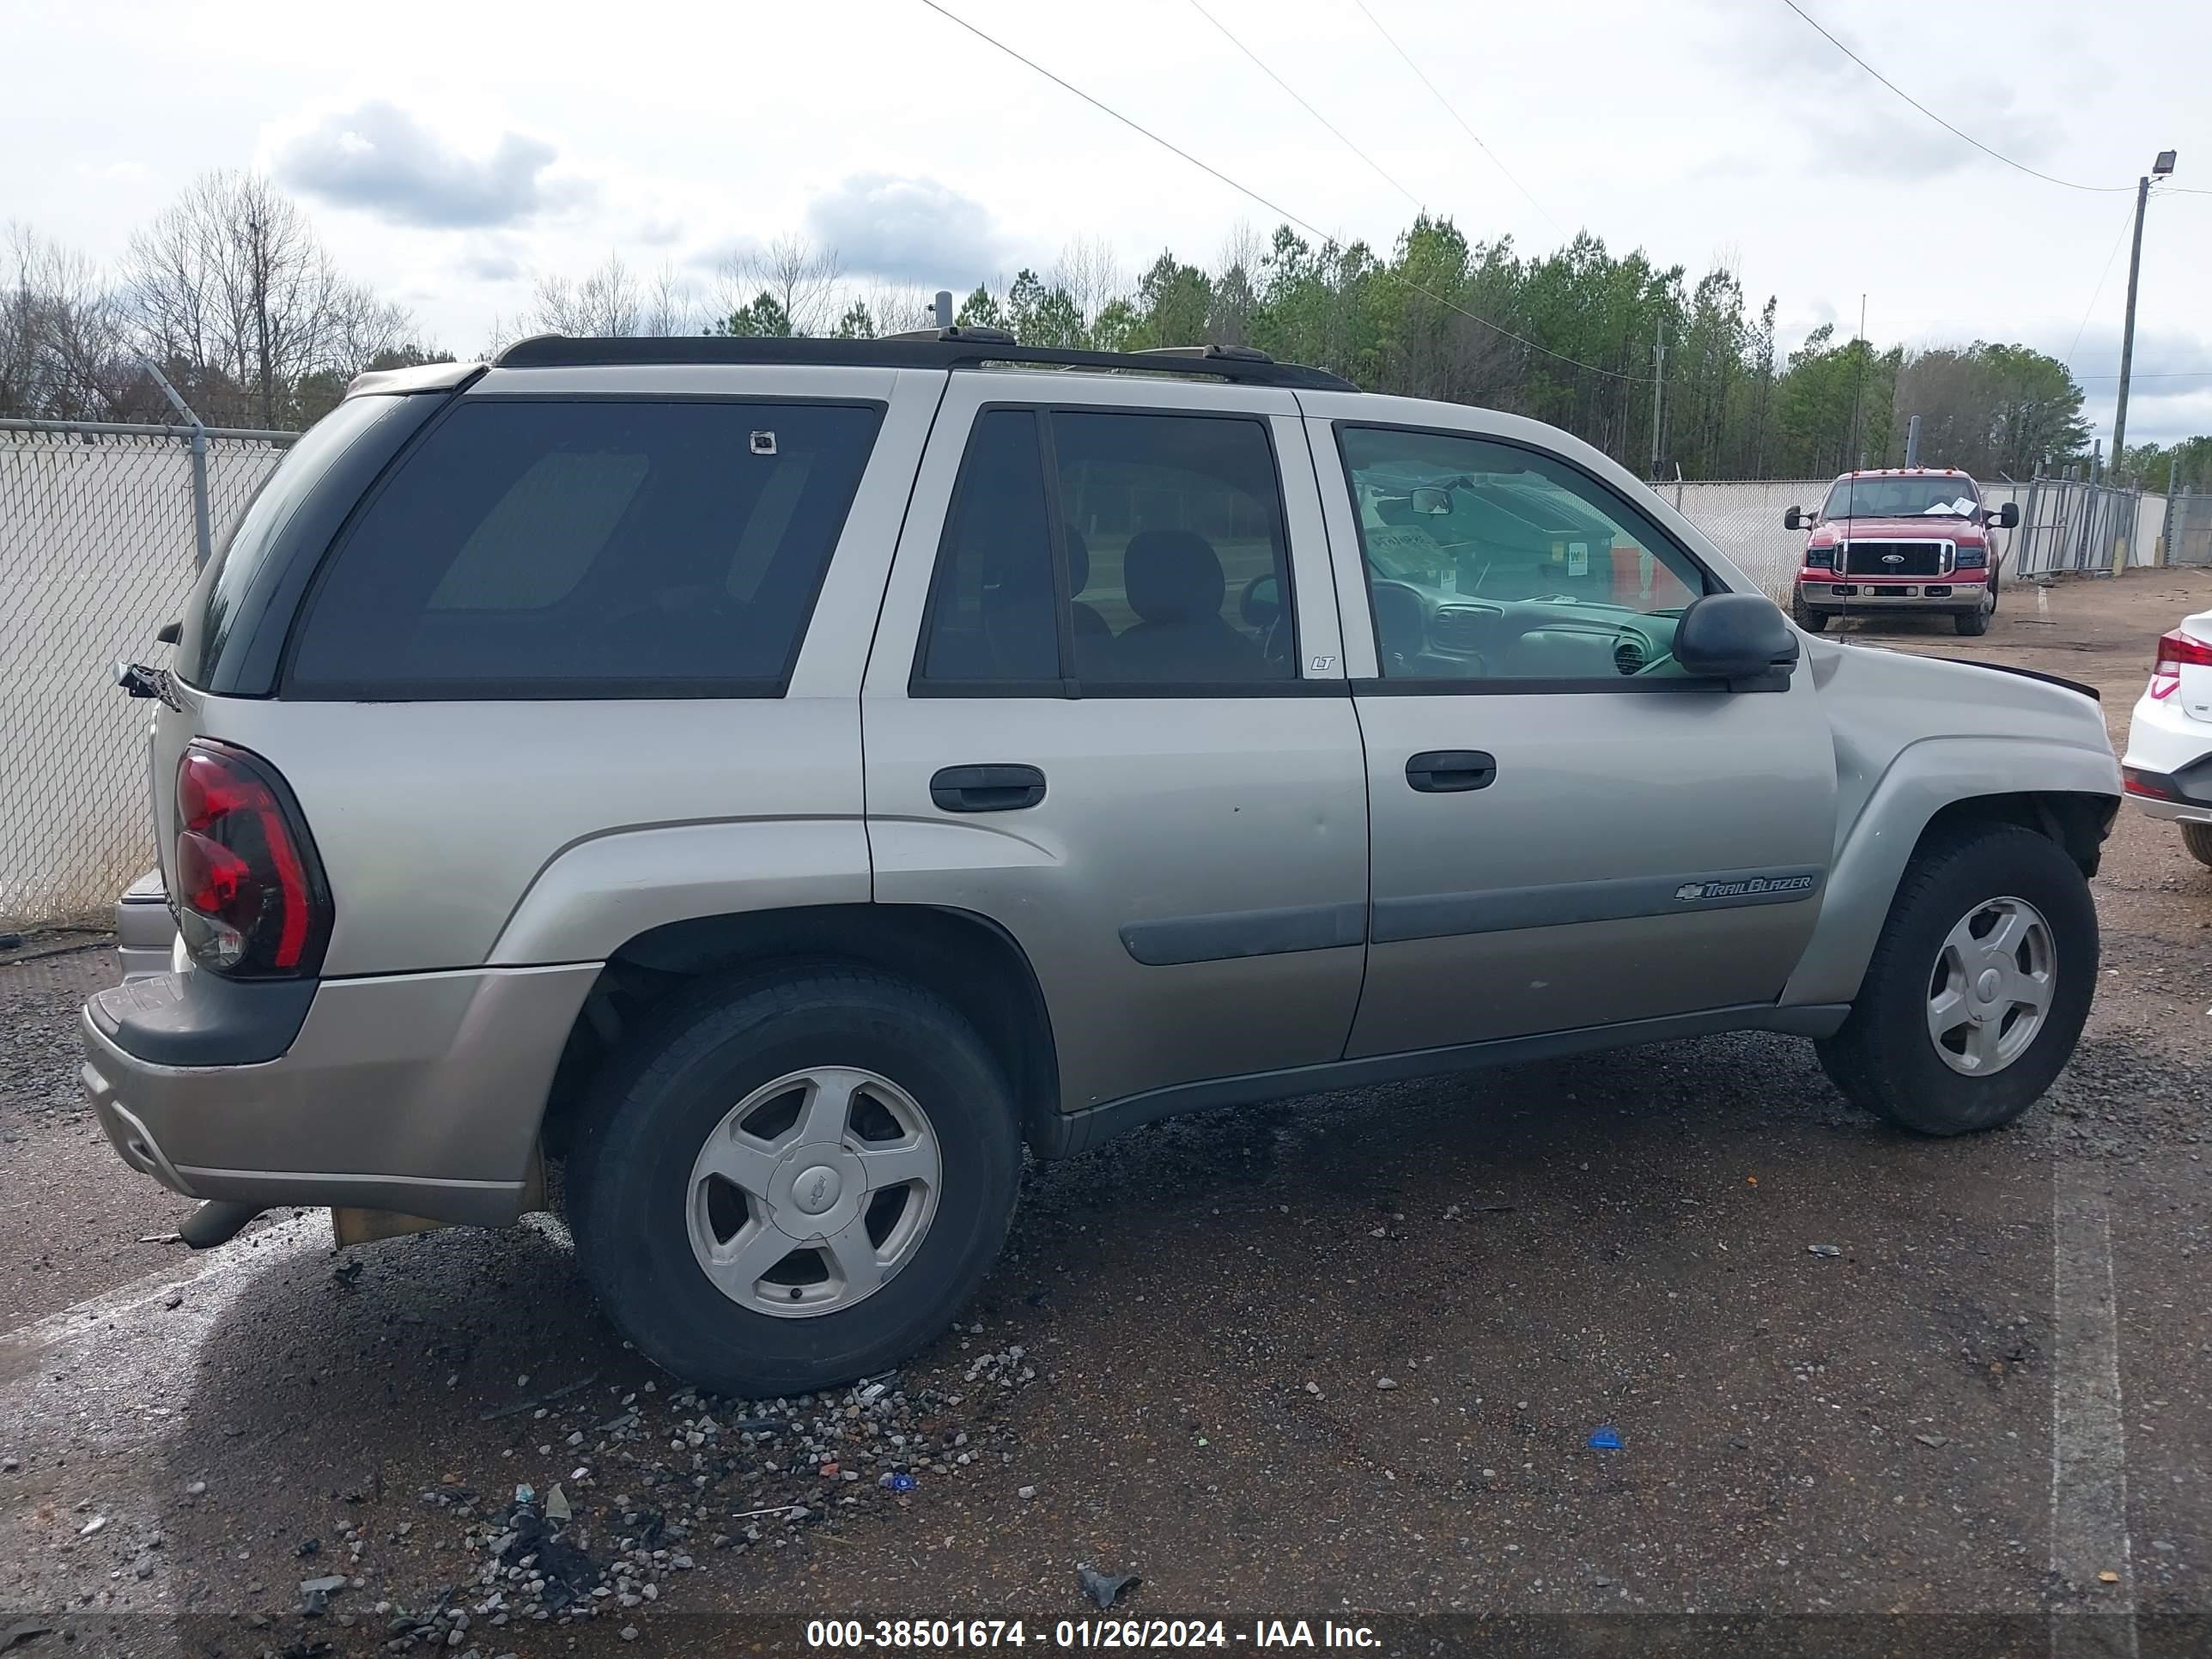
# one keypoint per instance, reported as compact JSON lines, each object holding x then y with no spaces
{"x":377,"y":157}
{"x":907,"y":230}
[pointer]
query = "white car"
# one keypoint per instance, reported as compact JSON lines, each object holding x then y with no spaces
{"x":2167,"y":770}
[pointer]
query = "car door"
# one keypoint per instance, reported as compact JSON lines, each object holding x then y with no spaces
{"x":1105,"y":708}
{"x":1567,"y":830}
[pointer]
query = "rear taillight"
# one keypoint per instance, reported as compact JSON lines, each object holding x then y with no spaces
{"x":2176,"y":651}
{"x":249,"y":892}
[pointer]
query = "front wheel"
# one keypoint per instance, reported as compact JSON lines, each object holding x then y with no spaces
{"x":1977,"y":987}
{"x":2197,"y":838}
{"x":1812,"y":621}
{"x":795,"y":1183}
{"x":1972,"y":622}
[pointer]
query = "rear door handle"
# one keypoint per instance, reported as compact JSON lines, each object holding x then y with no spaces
{"x":1449,"y":771}
{"x":987,"y":788}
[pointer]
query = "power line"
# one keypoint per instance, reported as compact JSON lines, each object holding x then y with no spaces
{"x":1306,"y":225}
{"x":2099,"y":294}
{"x":1996,"y":154}
{"x":1377,"y":166}
{"x":1457,"y":116}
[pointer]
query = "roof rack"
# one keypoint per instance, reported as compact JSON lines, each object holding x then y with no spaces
{"x":946,"y":348}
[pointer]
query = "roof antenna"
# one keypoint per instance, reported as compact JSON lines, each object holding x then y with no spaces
{"x":944,"y":307}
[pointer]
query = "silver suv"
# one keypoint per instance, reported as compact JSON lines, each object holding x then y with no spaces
{"x":778,"y":780}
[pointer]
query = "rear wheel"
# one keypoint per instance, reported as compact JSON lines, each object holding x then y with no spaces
{"x":793,"y":1184}
{"x":1812,"y":621}
{"x":1977,"y":987}
{"x":2197,"y":838}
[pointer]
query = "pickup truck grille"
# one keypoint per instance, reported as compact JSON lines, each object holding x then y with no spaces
{"x":1896,"y":559}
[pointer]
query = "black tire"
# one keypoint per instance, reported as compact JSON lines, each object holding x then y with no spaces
{"x":2197,"y":838}
{"x":1884,"y":1061}
{"x":1813,"y":621}
{"x":651,"y":1113}
{"x":1972,"y":622}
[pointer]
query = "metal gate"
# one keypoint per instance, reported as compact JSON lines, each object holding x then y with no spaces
{"x":2068,"y":523}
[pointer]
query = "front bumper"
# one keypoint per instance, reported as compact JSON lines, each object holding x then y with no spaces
{"x":416,"y":1092}
{"x":2168,"y":765}
{"x":1966,"y":592}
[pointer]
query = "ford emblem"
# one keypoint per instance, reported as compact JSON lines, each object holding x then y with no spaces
{"x":1893,"y":558}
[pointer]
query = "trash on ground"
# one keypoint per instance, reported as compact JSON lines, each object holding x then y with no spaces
{"x":1106,"y":1588}
{"x":1606,"y":1438}
{"x":1933,"y":1439}
{"x":1824,"y":1249}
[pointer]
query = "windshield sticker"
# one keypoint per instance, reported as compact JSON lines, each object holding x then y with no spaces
{"x":1578,"y":558}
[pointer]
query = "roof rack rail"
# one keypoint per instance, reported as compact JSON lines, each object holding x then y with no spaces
{"x":970,"y":333}
{"x":954,"y":348}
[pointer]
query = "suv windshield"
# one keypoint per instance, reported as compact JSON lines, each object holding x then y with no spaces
{"x":1901,"y":498}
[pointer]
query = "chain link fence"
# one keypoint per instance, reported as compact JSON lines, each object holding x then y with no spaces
{"x":2189,"y":529}
{"x":99,"y":545}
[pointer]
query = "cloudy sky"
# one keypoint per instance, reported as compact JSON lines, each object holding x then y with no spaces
{"x":450,"y":153}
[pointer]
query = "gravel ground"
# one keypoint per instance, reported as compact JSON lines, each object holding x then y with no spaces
{"x":1338,"y":1359}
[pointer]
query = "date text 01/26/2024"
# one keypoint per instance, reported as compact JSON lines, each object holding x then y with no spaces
{"x":939,"y":1634}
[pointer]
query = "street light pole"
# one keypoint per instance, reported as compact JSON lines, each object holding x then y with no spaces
{"x":2160,"y":168}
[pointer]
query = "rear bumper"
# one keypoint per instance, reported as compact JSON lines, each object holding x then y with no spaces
{"x":417,"y":1092}
{"x":1968,"y":591}
{"x":2167,"y":770}
{"x":145,"y":932}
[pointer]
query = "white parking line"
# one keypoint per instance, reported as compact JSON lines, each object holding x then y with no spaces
{"x":2089,"y":1442}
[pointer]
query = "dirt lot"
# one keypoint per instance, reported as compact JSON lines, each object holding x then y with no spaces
{"x":1338,"y":1359}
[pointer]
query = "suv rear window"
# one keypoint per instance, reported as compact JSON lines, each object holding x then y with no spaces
{"x":541,"y":548}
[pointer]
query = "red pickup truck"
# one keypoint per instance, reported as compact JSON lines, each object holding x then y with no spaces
{"x":1900,"y":539}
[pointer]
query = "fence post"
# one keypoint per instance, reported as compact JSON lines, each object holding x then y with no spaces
{"x":203,"y":525}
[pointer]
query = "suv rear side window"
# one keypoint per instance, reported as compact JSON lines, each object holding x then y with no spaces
{"x":537,"y":548}
{"x":1152,"y":560}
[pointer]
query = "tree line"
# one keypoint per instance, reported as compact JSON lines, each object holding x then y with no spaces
{"x":231,"y":292}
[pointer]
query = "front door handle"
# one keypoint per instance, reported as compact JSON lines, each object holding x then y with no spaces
{"x":987,"y":788}
{"x":1448,"y":771}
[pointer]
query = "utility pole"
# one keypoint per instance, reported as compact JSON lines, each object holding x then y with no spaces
{"x":2160,"y":168}
{"x":1658,"y":386}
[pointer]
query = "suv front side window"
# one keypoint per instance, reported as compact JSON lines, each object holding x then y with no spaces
{"x":1488,"y":562}
{"x":1100,"y":552}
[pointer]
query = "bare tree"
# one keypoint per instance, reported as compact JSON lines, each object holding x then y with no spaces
{"x":605,"y":303}
{"x":800,"y":278}
{"x":233,"y":289}
{"x":65,"y":340}
{"x":671,"y":305}
{"x":1092,"y":276}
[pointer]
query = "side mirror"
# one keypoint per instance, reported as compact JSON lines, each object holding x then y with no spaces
{"x":1261,"y":603}
{"x":1741,"y":638}
{"x":2009,"y":515}
{"x":1793,"y":518}
{"x":1429,"y":500}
